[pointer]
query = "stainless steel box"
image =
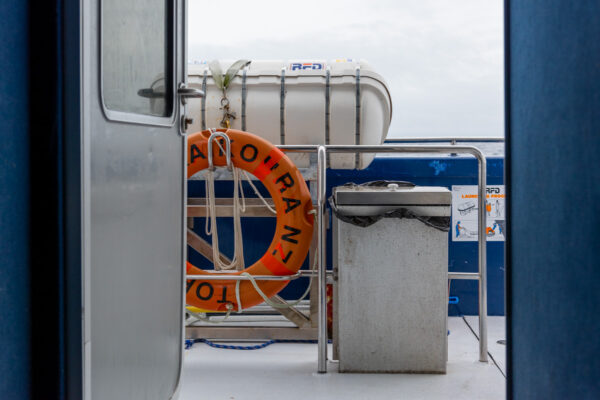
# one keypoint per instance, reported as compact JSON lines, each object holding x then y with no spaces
{"x":391,"y":294}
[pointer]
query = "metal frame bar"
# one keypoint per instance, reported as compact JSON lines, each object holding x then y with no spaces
{"x":225,"y":277}
{"x":251,"y":332}
{"x":322,"y":150}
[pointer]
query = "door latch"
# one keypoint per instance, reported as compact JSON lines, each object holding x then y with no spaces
{"x":185,"y":123}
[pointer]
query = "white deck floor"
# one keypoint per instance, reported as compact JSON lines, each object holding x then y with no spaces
{"x":287,"y":371}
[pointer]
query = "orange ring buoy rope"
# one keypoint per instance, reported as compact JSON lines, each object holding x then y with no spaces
{"x":293,"y":231}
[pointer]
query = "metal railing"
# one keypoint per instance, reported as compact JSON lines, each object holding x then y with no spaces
{"x":442,"y":139}
{"x":322,"y":150}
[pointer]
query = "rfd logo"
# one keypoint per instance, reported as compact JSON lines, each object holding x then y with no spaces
{"x":492,"y":190}
{"x":304,"y":66}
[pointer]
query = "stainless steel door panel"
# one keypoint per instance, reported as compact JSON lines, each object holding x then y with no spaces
{"x":133,"y":242}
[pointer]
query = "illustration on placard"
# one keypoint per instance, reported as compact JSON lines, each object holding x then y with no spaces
{"x":499,"y":209}
{"x":463,"y":232}
{"x":465,"y":213}
{"x":467,"y":207}
{"x":497,"y":228}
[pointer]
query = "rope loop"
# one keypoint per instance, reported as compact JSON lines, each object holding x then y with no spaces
{"x":212,"y":230}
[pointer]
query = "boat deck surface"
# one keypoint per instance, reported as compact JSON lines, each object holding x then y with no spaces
{"x":288,"y":371}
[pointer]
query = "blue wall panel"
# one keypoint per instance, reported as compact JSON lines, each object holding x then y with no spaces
{"x":553,"y":122}
{"x":14,"y":202}
{"x":439,"y":171}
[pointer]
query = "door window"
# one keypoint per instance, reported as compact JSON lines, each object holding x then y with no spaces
{"x":137,"y":54}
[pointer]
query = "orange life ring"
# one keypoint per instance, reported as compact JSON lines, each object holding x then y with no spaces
{"x":294,"y":228}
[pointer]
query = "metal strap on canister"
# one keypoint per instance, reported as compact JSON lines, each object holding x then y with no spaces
{"x":244,"y":94}
{"x":357,"y":127}
{"x":282,"y":108}
{"x":328,"y":108}
{"x":203,"y":109}
{"x":327,"y":103}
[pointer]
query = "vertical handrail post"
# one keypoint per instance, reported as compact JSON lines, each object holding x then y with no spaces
{"x":482,"y":262}
{"x":322,"y":280}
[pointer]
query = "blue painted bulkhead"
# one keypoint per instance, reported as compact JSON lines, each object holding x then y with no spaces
{"x":438,"y":171}
{"x":553,"y":144}
{"x":15,"y":353}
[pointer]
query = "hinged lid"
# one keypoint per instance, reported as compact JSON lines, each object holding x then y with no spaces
{"x":392,"y":196}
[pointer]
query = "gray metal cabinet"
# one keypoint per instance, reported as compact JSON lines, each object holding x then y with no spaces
{"x":392,"y":289}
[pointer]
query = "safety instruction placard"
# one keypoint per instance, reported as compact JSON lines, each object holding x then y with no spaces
{"x":465,"y":213}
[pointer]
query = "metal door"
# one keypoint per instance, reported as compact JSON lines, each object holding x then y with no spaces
{"x":133,"y":198}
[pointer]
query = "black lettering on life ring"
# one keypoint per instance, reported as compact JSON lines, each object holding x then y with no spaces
{"x":189,"y":285}
{"x":211,"y":290}
{"x":223,"y":296}
{"x":288,"y":236}
{"x":244,"y":155}
{"x":266,"y":162}
{"x":284,"y":257}
{"x":290,"y":204}
{"x":287,"y":181}
{"x":195,"y":153}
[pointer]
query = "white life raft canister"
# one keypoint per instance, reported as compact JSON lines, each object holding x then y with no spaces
{"x":335,"y":102}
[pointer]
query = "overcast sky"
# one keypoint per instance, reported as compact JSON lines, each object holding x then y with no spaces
{"x":442,"y":59}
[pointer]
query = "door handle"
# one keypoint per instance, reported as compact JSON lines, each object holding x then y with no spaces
{"x":184,"y":92}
